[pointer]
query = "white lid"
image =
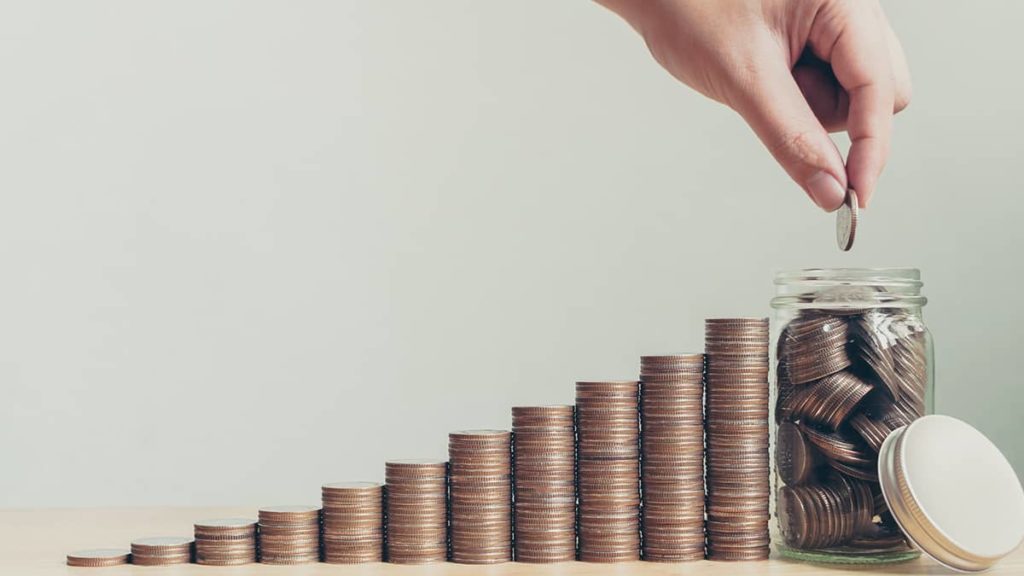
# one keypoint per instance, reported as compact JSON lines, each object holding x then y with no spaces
{"x":952,"y":492}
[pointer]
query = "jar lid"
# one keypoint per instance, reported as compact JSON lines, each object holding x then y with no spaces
{"x":952,"y":492}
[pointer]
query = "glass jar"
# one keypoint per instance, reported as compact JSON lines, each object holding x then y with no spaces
{"x":852,"y":361}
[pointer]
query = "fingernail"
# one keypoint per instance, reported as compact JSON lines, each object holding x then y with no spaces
{"x":826,"y":191}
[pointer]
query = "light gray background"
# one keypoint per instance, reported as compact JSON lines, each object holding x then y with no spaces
{"x":249,"y":247}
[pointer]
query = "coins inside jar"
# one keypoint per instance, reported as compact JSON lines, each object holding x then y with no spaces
{"x":860,"y":374}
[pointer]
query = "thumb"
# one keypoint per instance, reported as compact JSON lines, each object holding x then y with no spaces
{"x":772,"y":104}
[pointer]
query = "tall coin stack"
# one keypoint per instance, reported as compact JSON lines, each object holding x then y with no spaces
{"x":353,"y":522}
{"x":481,"y":496}
{"x":737,"y":438}
{"x":608,"y":425}
{"x":672,"y":460}
{"x":225,"y":541}
{"x":161,"y":551}
{"x":289,"y":534}
{"x":544,"y":460}
{"x":417,"y":511}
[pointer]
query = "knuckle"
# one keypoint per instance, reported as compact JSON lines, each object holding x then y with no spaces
{"x":798,"y":148}
{"x":903,"y":92}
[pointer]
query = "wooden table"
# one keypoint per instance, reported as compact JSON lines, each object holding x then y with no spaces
{"x":35,"y":542}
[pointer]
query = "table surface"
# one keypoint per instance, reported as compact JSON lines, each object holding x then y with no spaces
{"x":35,"y":542}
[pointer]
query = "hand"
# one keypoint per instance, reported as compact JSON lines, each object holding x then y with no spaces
{"x":795,"y":70}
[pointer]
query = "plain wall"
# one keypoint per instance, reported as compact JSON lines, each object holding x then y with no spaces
{"x":250,"y":247}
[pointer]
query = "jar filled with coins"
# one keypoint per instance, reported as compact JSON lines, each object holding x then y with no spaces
{"x":852,"y":362}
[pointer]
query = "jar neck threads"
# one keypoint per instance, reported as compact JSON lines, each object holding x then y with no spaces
{"x":849,"y":288}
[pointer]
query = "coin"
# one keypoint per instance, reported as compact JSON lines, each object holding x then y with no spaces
{"x":846,"y":221}
{"x":98,"y":557}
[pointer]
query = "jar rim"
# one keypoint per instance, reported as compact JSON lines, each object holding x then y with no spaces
{"x":887,"y":288}
{"x":904,"y":277}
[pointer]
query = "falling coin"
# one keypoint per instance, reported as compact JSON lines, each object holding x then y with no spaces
{"x":846,"y":221}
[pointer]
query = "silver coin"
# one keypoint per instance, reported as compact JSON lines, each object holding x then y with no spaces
{"x":846,"y":221}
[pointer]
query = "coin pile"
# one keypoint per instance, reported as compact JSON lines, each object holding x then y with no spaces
{"x":737,"y":438}
{"x":830,"y":401}
{"x":860,"y":374}
{"x":353,"y":522}
{"x":99,"y":557}
{"x":481,"y":496}
{"x":825,"y":514}
{"x":161,"y":551}
{"x":544,"y":464}
{"x":225,"y":541}
{"x":672,"y":459}
{"x":417,"y":511}
{"x":607,"y":423}
{"x":289,"y":534}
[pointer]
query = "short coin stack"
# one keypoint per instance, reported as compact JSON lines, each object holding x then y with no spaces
{"x":289,"y":534}
{"x":481,"y":496}
{"x":99,"y":557}
{"x":608,"y":425}
{"x":353,"y":522}
{"x":225,"y":541}
{"x":417,"y":511}
{"x":162,"y":551}
{"x":737,"y":438}
{"x":672,"y":460}
{"x":544,"y":450}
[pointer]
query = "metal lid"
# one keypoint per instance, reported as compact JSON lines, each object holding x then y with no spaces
{"x":952,"y":492}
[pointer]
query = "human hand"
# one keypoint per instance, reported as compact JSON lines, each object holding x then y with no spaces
{"x":795,"y":70}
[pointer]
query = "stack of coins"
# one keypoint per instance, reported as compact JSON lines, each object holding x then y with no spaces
{"x":544,"y":460}
{"x":737,"y":438}
{"x":353,"y":522}
{"x":608,"y":425}
{"x":162,"y":551}
{"x":417,"y":511}
{"x":846,"y":504}
{"x":99,"y":557}
{"x":846,"y":379}
{"x":481,"y":496}
{"x":225,"y":541}
{"x":289,"y":534}
{"x":672,"y":460}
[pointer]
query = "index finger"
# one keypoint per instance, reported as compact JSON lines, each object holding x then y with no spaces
{"x":852,"y":42}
